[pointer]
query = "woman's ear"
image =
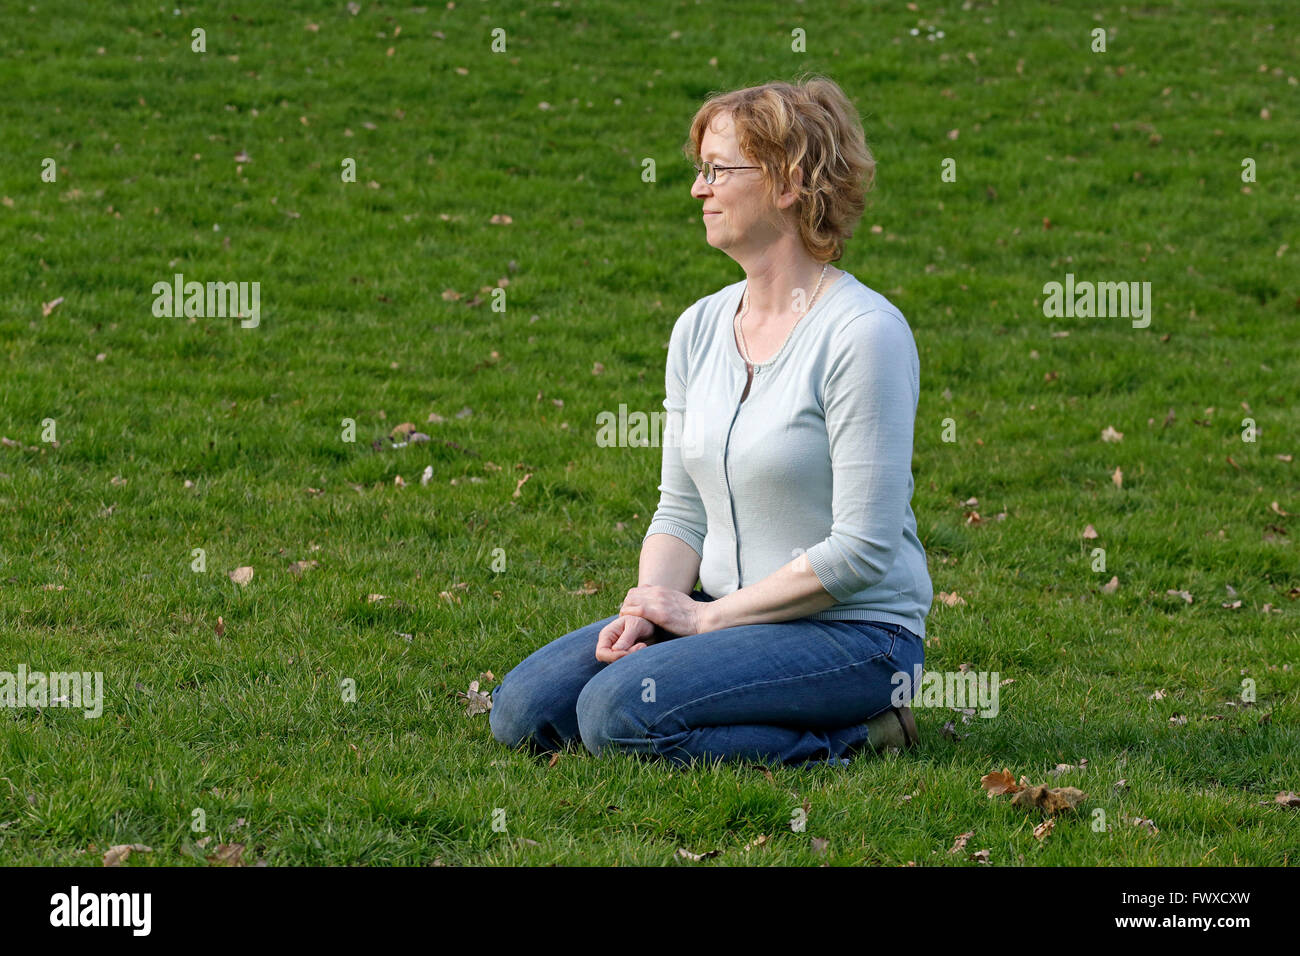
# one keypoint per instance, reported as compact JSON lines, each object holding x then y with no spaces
{"x":793,"y":183}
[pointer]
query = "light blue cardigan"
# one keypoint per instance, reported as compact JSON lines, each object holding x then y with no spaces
{"x":817,"y":460}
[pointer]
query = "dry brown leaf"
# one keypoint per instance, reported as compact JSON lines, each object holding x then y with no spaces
{"x":1118,"y":478}
{"x":298,"y":567}
{"x":228,"y":854}
{"x":960,"y":843}
{"x":819,"y":845}
{"x":48,"y":307}
{"x":117,"y":855}
{"x":1090,"y":532}
{"x":1111,"y":586}
{"x":1048,"y":799}
{"x":1109,"y":434}
{"x":1287,"y":799}
{"x":688,"y":855}
{"x":999,"y":782}
{"x":476,"y":703}
{"x":221,"y":626}
{"x":1044,"y":829}
{"x":241,"y":576}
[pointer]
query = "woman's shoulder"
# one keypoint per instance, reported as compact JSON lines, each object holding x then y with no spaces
{"x":858,"y":299}
{"x":697,"y":318}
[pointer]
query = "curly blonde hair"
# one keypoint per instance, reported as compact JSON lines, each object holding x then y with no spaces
{"x":810,"y":124}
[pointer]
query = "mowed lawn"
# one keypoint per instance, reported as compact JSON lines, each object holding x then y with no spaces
{"x":525,"y":170}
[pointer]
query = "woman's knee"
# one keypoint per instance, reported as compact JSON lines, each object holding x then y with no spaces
{"x":612,"y":708}
{"x":515,"y":712}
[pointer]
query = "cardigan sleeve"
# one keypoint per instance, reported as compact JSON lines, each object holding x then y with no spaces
{"x":681,"y":511}
{"x":869,"y":398}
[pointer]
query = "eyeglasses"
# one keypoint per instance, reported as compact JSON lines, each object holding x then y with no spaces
{"x":711,"y":170}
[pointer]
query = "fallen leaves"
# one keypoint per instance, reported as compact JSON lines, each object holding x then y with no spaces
{"x":1049,"y":799}
{"x":117,"y":855}
{"x":1026,"y":795}
{"x":686,"y":854}
{"x":227,"y":854}
{"x":1067,"y":767}
{"x":1109,"y":434}
{"x":476,"y":702}
{"x":48,"y":307}
{"x":241,"y":576}
{"x":997,"y":783}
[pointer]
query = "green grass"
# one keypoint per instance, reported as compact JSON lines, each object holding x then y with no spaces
{"x":354,"y":325}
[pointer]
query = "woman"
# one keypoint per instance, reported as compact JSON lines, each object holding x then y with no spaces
{"x":786,"y":491}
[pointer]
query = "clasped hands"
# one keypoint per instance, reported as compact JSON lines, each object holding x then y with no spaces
{"x":642,"y":610}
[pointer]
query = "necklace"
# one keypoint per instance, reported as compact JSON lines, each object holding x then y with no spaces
{"x":740,"y":324}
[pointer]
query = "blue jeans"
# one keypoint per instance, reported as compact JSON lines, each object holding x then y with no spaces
{"x":792,"y":692}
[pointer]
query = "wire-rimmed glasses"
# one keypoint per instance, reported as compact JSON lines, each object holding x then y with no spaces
{"x":710,"y":170}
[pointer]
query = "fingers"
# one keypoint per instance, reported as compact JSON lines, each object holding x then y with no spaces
{"x":629,"y":636}
{"x":605,"y":640}
{"x":619,"y":638}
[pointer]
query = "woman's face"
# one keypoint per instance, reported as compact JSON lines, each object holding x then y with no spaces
{"x":736,"y":216}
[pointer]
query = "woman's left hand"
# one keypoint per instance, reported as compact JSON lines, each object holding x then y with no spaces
{"x":675,"y":612}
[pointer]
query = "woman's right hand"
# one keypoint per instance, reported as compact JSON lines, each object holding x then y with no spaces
{"x":622,"y":636}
